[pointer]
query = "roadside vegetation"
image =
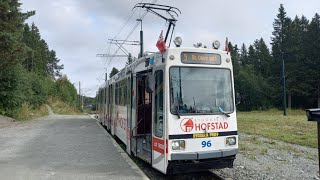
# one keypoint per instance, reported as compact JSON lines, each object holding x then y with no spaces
{"x":293,"y":128}
{"x":26,"y":112}
{"x":30,"y":70}
{"x":60,"y":107}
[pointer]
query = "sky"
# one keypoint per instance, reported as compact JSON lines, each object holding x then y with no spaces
{"x":78,"y":30}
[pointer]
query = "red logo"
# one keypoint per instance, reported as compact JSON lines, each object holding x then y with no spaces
{"x":186,"y":125}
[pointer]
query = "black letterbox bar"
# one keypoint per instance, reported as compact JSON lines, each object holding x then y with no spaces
{"x":313,"y":114}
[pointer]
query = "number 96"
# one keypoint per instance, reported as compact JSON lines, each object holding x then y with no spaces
{"x":206,"y":143}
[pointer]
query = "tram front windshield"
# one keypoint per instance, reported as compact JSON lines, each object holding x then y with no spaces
{"x":200,"y":90}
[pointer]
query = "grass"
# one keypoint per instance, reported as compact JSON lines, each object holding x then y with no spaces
{"x":60,"y":107}
{"x":293,"y":128}
{"x":27,"y":113}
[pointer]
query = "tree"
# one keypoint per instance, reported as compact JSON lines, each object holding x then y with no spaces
{"x":244,"y":55}
{"x":296,"y":70}
{"x":66,"y":91}
{"x":40,"y":58}
{"x":280,"y":42}
{"x":53,"y":67}
{"x":130,"y":59}
{"x":235,"y":56}
{"x":12,"y":50}
{"x":12,"y":53}
{"x":313,"y":57}
{"x":254,"y":90}
{"x":113,"y":72}
{"x":262,"y":58}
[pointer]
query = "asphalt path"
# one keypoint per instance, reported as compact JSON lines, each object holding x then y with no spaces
{"x":62,"y":147}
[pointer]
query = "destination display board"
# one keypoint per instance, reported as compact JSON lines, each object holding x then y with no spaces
{"x":200,"y":58}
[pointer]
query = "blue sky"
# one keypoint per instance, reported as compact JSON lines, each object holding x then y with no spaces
{"x":79,"y":29}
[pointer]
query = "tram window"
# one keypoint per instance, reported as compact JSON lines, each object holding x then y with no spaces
{"x":117,"y":94}
{"x":158,"y":119}
{"x":120,"y":94}
{"x":124,"y":93}
{"x":128,"y":91}
{"x":200,"y":90}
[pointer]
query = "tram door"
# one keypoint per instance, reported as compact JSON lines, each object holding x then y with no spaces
{"x":109,"y":107}
{"x":133,"y":116}
{"x":143,"y":119}
{"x":158,"y":135}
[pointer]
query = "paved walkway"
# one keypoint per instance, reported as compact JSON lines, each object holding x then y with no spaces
{"x":62,"y":147}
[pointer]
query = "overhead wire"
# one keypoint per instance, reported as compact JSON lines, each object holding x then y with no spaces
{"x":109,"y":47}
{"x":136,"y":25}
{"x":130,"y":33}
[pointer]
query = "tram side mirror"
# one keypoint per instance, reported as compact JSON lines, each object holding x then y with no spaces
{"x":147,"y":62}
{"x":150,"y":83}
{"x":313,"y":114}
{"x":238,"y":98}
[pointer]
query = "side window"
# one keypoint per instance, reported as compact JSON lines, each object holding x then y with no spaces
{"x":158,"y":119}
{"x":128,"y":91}
{"x":117,"y":93}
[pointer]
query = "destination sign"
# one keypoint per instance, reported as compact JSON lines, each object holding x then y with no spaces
{"x":200,"y":58}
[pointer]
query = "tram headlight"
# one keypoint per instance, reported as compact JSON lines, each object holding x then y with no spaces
{"x":178,"y":145}
{"x":177,"y":41}
{"x":230,"y":141}
{"x":216,"y":44}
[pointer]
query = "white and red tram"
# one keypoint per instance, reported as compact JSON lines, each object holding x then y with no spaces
{"x":174,"y":110}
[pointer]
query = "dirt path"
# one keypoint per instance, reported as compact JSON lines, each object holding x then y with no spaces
{"x":49,"y":110}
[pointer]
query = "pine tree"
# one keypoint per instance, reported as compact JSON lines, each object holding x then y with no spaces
{"x":313,"y":56}
{"x":113,"y":72}
{"x":12,"y":53}
{"x":53,"y":67}
{"x":296,"y":70}
{"x":12,"y":50}
{"x":40,"y":59}
{"x":251,"y":55}
{"x":244,"y":55}
{"x":280,"y":43}
{"x":262,"y":58}
{"x":130,"y":59}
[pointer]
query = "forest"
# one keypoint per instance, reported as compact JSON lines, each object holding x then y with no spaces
{"x":258,"y":70}
{"x":30,"y":72}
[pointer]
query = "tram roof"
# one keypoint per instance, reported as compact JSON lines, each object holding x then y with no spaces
{"x":129,"y":68}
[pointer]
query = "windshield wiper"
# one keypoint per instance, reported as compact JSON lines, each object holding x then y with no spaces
{"x":223,"y":112}
{"x":178,"y":113}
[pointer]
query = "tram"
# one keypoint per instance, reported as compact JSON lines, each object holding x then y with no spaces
{"x":175,"y":110}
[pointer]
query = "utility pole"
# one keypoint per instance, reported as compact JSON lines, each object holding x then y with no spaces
{"x":283,"y":76}
{"x":82,"y":102}
{"x":79,"y":94}
{"x":141,"y":39}
{"x":284,"y":87}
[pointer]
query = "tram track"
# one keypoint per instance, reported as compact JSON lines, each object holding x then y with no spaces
{"x":152,"y":173}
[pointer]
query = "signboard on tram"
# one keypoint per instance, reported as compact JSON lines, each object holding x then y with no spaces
{"x":200,"y":58}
